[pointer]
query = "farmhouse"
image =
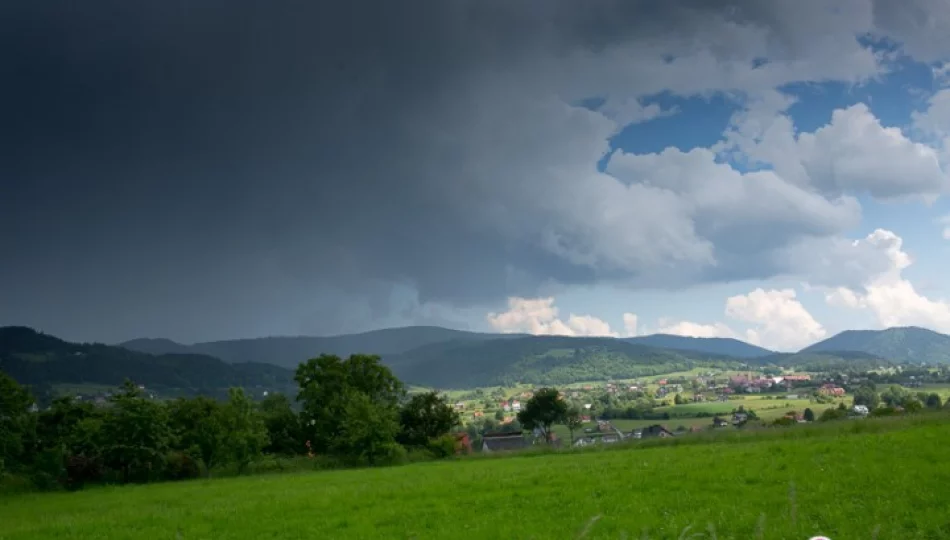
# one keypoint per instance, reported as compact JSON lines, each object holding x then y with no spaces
{"x":831,"y":390}
{"x":656,"y":430}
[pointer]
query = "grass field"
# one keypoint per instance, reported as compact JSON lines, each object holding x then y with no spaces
{"x":883,"y":479}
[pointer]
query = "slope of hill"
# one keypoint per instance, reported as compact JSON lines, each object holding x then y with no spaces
{"x":723,"y":346}
{"x":37,"y":359}
{"x":899,"y":345}
{"x":539,"y":360}
{"x":291,"y":351}
{"x":824,"y":361}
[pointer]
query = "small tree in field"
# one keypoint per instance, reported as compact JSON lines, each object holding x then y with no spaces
{"x":809,"y":415}
{"x":573,"y":421}
{"x":542,"y":411}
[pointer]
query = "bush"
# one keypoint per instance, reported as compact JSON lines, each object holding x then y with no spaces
{"x":81,"y":469}
{"x":48,"y":469}
{"x":884,"y":411}
{"x":181,"y":466}
{"x":442,"y":447}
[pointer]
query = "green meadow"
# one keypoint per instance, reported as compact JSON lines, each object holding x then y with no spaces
{"x":860,"y":479}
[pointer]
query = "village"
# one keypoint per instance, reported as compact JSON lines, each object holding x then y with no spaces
{"x":662,"y":406}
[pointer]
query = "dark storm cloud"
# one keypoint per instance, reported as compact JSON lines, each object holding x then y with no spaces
{"x":159,"y":154}
{"x":221,"y":168}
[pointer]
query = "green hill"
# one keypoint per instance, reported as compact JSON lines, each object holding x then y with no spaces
{"x":899,"y":345}
{"x":824,"y":361}
{"x":39,"y":360}
{"x":723,"y":346}
{"x":539,"y":360}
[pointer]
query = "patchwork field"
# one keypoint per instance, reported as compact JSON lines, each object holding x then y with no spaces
{"x":883,"y":478}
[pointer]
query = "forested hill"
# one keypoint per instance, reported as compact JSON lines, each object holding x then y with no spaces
{"x":40,"y":360}
{"x":542,"y":360}
{"x":722,"y":346}
{"x":291,"y":351}
{"x":900,"y":345}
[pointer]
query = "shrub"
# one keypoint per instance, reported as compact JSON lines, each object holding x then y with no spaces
{"x":48,"y":469}
{"x":442,"y":447}
{"x":181,"y":466}
{"x":884,"y":411}
{"x":81,"y":469}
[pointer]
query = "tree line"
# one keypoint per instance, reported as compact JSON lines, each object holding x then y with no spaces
{"x":350,"y":412}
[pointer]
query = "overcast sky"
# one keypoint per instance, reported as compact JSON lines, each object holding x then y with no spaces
{"x":766,"y":169}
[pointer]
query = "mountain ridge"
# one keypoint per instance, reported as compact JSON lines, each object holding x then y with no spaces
{"x":899,"y":344}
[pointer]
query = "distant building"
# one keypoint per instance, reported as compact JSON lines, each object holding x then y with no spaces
{"x":503,"y":442}
{"x":656,"y":430}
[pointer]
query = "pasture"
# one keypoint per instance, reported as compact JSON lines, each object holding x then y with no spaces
{"x":882,"y":478}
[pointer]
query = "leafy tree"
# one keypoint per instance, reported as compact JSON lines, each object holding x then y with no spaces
{"x":912,"y":405}
{"x":246,"y":432}
{"x":867,"y":395}
{"x":199,"y":424}
{"x":933,"y":401}
{"x":809,"y":415}
{"x":283,"y":425}
{"x":678,"y":400}
{"x":573,"y":421}
{"x":425,"y":417}
{"x":895,"y":396}
{"x":499,"y":415}
{"x":543,"y":410}
{"x":135,"y":434}
{"x":368,"y":435}
{"x":16,"y":424}
{"x":328,"y":382}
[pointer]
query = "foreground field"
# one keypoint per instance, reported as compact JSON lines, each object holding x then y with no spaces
{"x":882,"y":479}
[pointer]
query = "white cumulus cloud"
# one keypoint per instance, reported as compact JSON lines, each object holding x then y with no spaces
{"x":888,"y":295}
{"x":539,"y":316}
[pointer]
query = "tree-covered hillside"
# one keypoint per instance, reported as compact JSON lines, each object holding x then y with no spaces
{"x":291,"y":351}
{"x":899,"y":345}
{"x":542,"y":360}
{"x":38,"y":359}
{"x":721,"y":346}
{"x":824,"y":361}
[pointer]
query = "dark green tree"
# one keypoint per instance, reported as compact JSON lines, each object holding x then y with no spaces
{"x":17,"y":425}
{"x":368,"y":435}
{"x":283,"y":425}
{"x":809,"y":415}
{"x":198,"y":425}
{"x":328,"y":382}
{"x":895,"y":396}
{"x":425,"y":417}
{"x":934,"y":401}
{"x":543,"y":410}
{"x":246,"y":434}
{"x":867,"y":395}
{"x":135,"y":435}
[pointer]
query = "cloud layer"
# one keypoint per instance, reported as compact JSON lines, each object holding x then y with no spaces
{"x":235,"y":168}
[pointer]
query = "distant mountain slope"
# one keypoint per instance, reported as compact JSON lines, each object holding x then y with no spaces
{"x":291,"y":351}
{"x":899,"y":345}
{"x":723,"y":346}
{"x":34,"y":358}
{"x":823,"y":360}
{"x":156,"y":346}
{"x":538,"y":360}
